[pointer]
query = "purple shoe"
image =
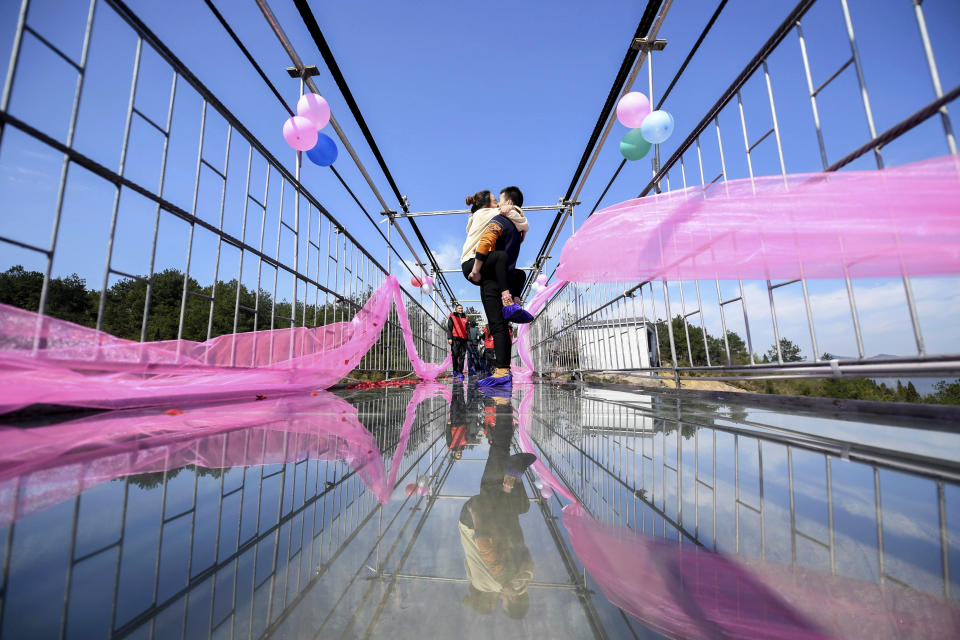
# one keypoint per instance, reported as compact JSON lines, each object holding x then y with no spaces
{"x":516,"y":313}
{"x":493,"y":381}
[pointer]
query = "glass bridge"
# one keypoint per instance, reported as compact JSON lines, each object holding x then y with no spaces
{"x":304,"y":548}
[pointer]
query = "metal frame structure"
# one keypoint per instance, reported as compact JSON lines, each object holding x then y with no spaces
{"x":553,"y":337}
{"x":324,"y":289}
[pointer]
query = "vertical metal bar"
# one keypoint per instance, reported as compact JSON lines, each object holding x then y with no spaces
{"x":736,"y":489}
{"x":193,"y":212}
{"x":813,"y":96}
{"x":793,"y":510}
{"x":14,"y":58}
{"x":276,"y":271}
{"x":862,"y":82}
{"x":263,"y":227}
{"x":934,"y":75}
{"x":673,"y":346}
{"x":156,"y":218}
{"x":773,"y":115}
{"x":878,"y":505}
{"x":71,"y":556}
{"x":223,"y":202}
{"x":243,"y":237}
{"x":65,"y":169}
{"x":944,"y":539}
{"x":102,"y":303}
{"x":763,"y":526}
{"x":830,"y":522}
{"x":116,"y":574}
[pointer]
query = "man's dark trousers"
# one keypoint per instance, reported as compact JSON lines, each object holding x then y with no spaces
{"x":458,"y":347}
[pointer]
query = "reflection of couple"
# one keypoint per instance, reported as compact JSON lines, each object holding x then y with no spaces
{"x":489,"y":260}
{"x":498,"y":562}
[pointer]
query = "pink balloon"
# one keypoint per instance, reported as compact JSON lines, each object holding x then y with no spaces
{"x":300,"y":133}
{"x":632,"y":109}
{"x":542,"y":281}
{"x":315,"y":109}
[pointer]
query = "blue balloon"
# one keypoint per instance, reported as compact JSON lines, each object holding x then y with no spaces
{"x":657,"y":127}
{"x":634,"y":146}
{"x":324,"y":153}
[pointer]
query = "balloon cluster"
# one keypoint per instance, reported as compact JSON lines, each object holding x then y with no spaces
{"x":425,"y":284}
{"x":302,"y":131}
{"x":647,"y":127}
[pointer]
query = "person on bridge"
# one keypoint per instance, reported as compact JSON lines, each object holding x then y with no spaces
{"x":494,"y":250}
{"x":473,"y":355}
{"x":457,"y":339}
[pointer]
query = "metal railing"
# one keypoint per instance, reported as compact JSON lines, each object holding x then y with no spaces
{"x":661,"y":328}
{"x":279,"y":257}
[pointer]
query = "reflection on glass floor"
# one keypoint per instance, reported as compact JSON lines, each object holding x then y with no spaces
{"x":409,"y":513}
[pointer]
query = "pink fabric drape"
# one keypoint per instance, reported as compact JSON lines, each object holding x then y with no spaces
{"x":45,"y":360}
{"x":821,"y":225}
{"x":525,"y":372}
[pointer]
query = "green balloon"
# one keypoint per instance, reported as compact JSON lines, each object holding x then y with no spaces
{"x":634,"y":146}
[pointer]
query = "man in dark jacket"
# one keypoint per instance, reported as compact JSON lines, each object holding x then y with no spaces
{"x":457,"y":339}
{"x":473,"y":356}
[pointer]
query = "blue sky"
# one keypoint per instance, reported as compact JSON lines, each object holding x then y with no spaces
{"x":461,"y":97}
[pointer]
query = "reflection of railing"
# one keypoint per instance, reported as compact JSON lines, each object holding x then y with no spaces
{"x":279,"y":258}
{"x":696,"y":476}
{"x":687,"y":346}
{"x":256,"y":537}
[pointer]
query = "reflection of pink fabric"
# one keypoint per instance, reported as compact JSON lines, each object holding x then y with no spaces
{"x":689,"y":592}
{"x":523,"y":436}
{"x":804,"y":225}
{"x":43,"y":466}
{"x":420,"y":393}
{"x":74,"y":365}
{"x":693,"y":593}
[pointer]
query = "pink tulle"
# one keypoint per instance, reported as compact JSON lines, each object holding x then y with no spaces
{"x":689,"y":592}
{"x":45,"y":360}
{"x":420,"y":393}
{"x":525,"y":372}
{"x":823,"y":225}
{"x":44,"y":466}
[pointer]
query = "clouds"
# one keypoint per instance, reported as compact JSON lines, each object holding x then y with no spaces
{"x":448,"y":254}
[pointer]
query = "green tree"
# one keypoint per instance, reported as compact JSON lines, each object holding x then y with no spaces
{"x":945,"y":392}
{"x":790,"y":352}
{"x":67,"y":298}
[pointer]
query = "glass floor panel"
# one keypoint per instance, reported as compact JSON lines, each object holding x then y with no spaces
{"x":408,"y":513}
